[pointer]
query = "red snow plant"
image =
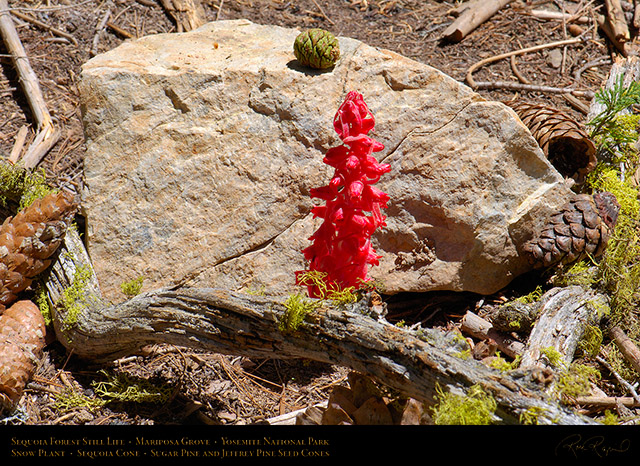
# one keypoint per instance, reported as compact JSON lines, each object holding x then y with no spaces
{"x":341,"y":250}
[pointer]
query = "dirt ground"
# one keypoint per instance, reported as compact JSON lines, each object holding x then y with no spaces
{"x":209,"y":388}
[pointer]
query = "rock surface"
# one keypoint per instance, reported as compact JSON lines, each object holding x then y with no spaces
{"x":202,"y":148}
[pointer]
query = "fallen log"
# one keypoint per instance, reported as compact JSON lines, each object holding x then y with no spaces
{"x":415,"y":362}
{"x":564,"y":315}
{"x":47,"y":134}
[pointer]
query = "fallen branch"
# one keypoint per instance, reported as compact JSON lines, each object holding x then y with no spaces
{"x":557,"y":15}
{"x":486,"y":61}
{"x":473,"y":14}
{"x":188,"y":14}
{"x":617,"y":21}
{"x":45,"y":26}
{"x":413,"y":362}
{"x":626,"y":346}
{"x":47,"y":133}
{"x":482,"y":329}
{"x":564,"y":314}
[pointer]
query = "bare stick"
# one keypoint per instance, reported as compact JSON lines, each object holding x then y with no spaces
{"x":48,"y":134}
{"x":557,"y":15}
{"x":473,"y":16}
{"x":482,"y":329}
{"x":490,"y":85}
{"x":481,"y":63}
{"x":55,"y":31}
{"x":18,"y":144}
{"x":617,"y":20}
{"x":626,"y":346}
{"x":102,"y":24}
{"x":603,"y":402}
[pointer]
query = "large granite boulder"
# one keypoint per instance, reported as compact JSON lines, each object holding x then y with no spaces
{"x":202,"y":148}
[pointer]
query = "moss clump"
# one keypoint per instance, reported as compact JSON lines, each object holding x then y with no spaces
{"x":610,"y":419}
{"x":70,"y":399}
{"x":21,"y":185}
{"x":42,"y":301}
{"x":576,"y":381}
{"x":591,"y":341}
{"x":73,"y":298}
{"x":132,"y":288}
{"x":476,"y":408}
{"x":330,"y":291}
{"x":553,"y":356}
{"x":532,"y":297}
{"x":122,"y":388}
{"x":531,"y":415}
{"x":501,"y":364}
{"x":297,"y":307}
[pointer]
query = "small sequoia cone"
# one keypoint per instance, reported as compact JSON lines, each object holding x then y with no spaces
{"x":22,"y":331}
{"x":316,"y":48}
{"x":563,"y":140}
{"x":583,"y":226}
{"x":29,"y":239}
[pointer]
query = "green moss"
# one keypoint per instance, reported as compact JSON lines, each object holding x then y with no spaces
{"x":132,"y":288}
{"x":532,"y":297}
{"x":42,"y":301}
{"x":297,"y":307}
{"x":591,"y":341}
{"x":21,"y":185}
{"x":73,"y":298}
{"x":328,"y":290}
{"x":576,"y":381}
{"x":476,"y":408}
{"x":501,"y":364}
{"x":122,"y":388}
{"x":553,"y":356}
{"x":531,"y":415}
{"x":610,"y":419}
{"x":70,"y":399}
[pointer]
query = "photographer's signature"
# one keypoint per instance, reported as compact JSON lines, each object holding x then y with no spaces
{"x":597,"y":444}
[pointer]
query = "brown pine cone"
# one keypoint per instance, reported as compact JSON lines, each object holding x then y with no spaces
{"x":583,"y":226}
{"x":29,"y":239}
{"x":562,"y":139}
{"x":22,"y":332}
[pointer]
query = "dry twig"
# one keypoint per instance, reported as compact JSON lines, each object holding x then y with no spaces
{"x":472,"y":15}
{"x":47,"y":133}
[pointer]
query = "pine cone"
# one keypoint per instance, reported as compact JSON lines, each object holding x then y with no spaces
{"x":563,"y":140}
{"x":29,"y":239}
{"x":22,"y":331}
{"x":316,"y":48}
{"x":583,"y":226}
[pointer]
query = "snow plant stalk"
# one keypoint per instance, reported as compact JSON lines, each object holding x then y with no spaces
{"x":341,"y":250}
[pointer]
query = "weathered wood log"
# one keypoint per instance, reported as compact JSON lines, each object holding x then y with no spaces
{"x":221,"y":321}
{"x":564,"y":315}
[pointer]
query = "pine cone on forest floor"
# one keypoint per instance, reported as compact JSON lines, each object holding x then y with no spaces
{"x":29,"y":239}
{"x":22,"y":331}
{"x":582,"y":226}
{"x":563,"y":140}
